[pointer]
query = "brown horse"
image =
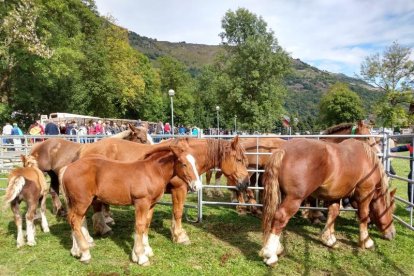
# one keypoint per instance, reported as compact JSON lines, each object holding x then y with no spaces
{"x":140,"y":183}
{"x":55,"y":153}
{"x":228,"y":155}
{"x":27,"y":184}
{"x":304,"y":167}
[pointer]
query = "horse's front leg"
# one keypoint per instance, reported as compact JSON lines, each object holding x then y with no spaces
{"x":365,"y":242}
{"x":18,"y":221}
{"x":138,"y":255}
{"x":147,"y":248}
{"x":272,"y":247}
{"x":217,"y":191}
{"x":209,"y":192}
{"x":328,"y":233}
{"x":179,"y":193}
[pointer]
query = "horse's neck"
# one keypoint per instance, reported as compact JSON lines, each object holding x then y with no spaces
{"x":163,"y":165}
{"x":207,"y":154}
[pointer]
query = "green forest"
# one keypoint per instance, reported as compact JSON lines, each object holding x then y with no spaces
{"x":62,"y":56}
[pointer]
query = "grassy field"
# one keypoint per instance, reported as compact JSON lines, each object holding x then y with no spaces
{"x":224,"y":244}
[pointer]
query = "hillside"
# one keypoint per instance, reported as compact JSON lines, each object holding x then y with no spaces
{"x":306,"y":84}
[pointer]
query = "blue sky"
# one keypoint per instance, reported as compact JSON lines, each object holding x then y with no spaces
{"x":333,"y":35}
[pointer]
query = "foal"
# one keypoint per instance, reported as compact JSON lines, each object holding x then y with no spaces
{"x":28,"y":184}
{"x":140,"y":183}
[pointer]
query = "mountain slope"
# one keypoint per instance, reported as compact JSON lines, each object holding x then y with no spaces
{"x":306,"y":84}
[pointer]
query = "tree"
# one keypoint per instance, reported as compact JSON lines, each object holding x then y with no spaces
{"x":249,"y":74}
{"x":393,"y":72}
{"x":173,"y":75}
{"x":340,"y":105}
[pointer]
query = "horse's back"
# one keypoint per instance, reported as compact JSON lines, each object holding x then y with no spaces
{"x":323,"y":168}
{"x":116,"y":149}
{"x":54,"y":153}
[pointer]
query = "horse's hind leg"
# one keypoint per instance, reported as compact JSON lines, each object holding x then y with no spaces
{"x":58,"y":209}
{"x":18,"y":221}
{"x":30,"y":227}
{"x":45,"y":225}
{"x":328,"y":233}
{"x":107,"y":214}
{"x":272,"y":246}
{"x":98,"y":219}
{"x":80,"y":244}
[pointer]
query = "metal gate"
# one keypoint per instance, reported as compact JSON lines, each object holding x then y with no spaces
{"x":10,"y":157}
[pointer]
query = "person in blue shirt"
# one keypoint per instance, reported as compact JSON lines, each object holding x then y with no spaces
{"x":194,"y":131}
{"x":17,"y":141}
{"x":407,"y":147}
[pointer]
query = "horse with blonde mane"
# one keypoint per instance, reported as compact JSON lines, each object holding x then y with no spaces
{"x":305,"y":167}
{"x":140,"y":183}
{"x":27,"y":184}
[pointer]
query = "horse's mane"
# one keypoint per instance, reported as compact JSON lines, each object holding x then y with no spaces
{"x":218,"y":148}
{"x":337,"y":128}
{"x":373,"y":158}
{"x":122,"y":135}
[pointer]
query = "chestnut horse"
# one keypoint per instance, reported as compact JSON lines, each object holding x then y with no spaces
{"x":304,"y":167}
{"x":27,"y":184}
{"x":140,"y":183}
{"x":55,"y":153}
{"x":269,"y":145}
{"x":228,"y":155}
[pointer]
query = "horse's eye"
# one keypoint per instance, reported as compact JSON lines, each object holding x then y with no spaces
{"x":239,"y":160}
{"x":184,"y":165}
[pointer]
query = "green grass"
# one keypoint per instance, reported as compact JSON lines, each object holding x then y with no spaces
{"x":224,"y":244}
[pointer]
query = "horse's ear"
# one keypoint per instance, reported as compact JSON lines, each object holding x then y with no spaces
{"x":177,"y":150}
{"x":131,"y":127}
{"x":360,"y":123}
{"x":235,"y":142}
{"x":392,"y":193}
{"x":23,"y":158}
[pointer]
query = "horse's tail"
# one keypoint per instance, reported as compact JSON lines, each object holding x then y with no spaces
{"x":272,"y":194}
{"x":14,"y":187}
{"x":62,"y":185}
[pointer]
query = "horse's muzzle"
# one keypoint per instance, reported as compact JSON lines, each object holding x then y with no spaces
{"x":243,"y":184}
{"x":195,"y":186}
{"x":390,"y":235}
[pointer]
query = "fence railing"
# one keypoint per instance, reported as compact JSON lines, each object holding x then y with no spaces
{"x":10,"y":157}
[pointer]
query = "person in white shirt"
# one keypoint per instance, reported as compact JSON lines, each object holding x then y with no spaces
{"x":7,"y":130}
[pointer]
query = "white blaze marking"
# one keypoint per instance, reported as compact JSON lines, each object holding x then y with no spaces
{"x":191,"y":159}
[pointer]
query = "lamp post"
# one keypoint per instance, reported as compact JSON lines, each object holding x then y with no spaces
{"x":235,"y":124}
{"x":171,"y":93}
{"x":218,"y":120}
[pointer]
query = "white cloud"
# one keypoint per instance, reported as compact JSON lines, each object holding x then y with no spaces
{"x":337,"y":32}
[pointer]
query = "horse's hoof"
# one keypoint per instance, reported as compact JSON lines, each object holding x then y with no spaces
{"x":88,"y":261}
{"x":46,"y":230}
{"x":31,"y":243}
{"x":145,"y":264}
{"x":19,"y":245}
